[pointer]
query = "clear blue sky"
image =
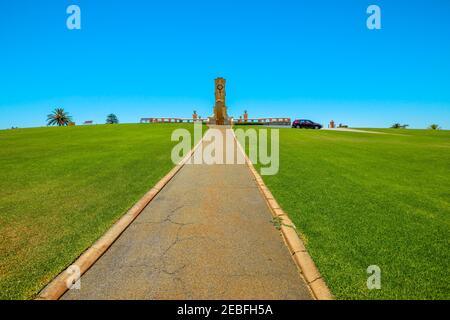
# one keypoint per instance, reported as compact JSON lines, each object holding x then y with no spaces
{"x":299,"y":58}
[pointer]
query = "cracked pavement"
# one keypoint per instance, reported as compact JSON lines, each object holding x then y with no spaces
{"x":208,"y":234}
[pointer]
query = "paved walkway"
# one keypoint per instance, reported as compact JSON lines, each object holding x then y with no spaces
{"x":207,"y":235}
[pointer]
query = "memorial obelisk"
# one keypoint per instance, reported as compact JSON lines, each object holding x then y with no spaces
{"x":220,"y":116}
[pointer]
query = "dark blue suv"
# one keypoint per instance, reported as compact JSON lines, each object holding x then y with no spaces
{"x":306,"y":124}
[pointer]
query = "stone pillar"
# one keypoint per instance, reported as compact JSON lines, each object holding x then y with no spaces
{"x":220,"y":116}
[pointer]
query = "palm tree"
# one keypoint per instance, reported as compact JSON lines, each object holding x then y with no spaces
{"x":112,"y":119}
{"x":434,"y":127}
{"x":59,"y":117}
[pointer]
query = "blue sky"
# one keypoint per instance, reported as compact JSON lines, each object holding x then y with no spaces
{"x":299,"y":58}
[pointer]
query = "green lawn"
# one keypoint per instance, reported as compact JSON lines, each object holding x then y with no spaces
{"x":362,"y":199}
{"x":62,"y":188}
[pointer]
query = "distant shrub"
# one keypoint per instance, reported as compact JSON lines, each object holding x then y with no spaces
{"x":399,"y":126}
{"x":112,"y":119}
{"x":434,"y":127}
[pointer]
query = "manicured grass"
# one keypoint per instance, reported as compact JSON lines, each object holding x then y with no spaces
{"x":362,"y":199}
{"x":62,"y":188}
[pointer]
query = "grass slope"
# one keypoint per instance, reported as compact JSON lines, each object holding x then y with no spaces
{"x":362,"y":199}
{"x":62,"y":188}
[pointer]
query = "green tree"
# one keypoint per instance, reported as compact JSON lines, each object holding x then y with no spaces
{"x":399,"y":126}
{"x":112,"y":119}
{"x":434,"y":127}
{"x":59,"y":117}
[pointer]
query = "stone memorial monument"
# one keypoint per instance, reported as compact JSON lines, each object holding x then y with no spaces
{"x":220,"y":116}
